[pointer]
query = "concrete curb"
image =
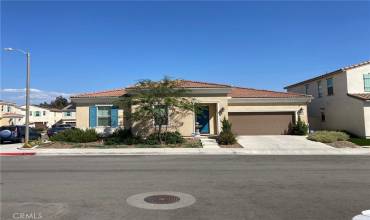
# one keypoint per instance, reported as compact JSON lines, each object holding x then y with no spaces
{"x":17,"y":153}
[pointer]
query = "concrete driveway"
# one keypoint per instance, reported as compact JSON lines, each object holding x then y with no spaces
{"x":283,"y":143}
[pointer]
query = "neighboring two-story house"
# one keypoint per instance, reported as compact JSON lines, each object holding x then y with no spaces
{"x":10,"y":114}
{"x":341,"y":99}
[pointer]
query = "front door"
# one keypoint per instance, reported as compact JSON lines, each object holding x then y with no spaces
{"x":203,"y":120}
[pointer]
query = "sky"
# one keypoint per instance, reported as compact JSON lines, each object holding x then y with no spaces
{"x":89,"y":46}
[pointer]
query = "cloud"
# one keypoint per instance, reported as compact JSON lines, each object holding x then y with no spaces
{"x":37,"y":96}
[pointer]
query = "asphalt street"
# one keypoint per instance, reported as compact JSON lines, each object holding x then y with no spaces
{"x":225,"y":187}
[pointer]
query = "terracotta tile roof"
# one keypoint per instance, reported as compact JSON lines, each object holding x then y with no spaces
{"x":356,"y":65}
{"x":12,"y":115}
{"x":362,"y":96}
{"x":106,"y":93}
{"x":330,"y":73}
{"x":236,"y":92}
{"x":239,"y":92}
{"x":195,"y":84}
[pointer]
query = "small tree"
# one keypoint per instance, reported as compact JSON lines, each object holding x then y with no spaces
{"x":226,"y":136}
{"x":157,"y":101}
{"x":300,"y":127}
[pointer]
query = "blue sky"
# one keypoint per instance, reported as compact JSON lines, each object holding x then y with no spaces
{"x":90,"y":46}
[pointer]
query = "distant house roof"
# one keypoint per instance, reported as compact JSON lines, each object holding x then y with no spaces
{"x":106,"y":93}
{"x":238,"y":92}
{"x":12,"y":115}
{"x":329,"y":74}
{"x":362,"y":96}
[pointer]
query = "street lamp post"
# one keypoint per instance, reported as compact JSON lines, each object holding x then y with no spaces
{"x":27,"y":133}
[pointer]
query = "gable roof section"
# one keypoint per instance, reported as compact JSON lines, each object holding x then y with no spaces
{"x":239,"y":92}
{"x":106,"y":93}
{"x":236,"y":92}
{"x":329,"y":74}
{"x":362,"y":96}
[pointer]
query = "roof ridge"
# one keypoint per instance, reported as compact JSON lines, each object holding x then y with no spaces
{"x":265,"y":90}
{"x":329,"y":73}
{"x":102,"y":91}
{"x":195,"y":81}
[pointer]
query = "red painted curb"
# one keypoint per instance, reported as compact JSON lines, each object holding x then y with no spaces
{"x":18,"y":154}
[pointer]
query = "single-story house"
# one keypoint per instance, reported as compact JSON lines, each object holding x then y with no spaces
{"x":251,"y":111}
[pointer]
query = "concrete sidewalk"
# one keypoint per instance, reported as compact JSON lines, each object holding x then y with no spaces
{"x":196,"y":151}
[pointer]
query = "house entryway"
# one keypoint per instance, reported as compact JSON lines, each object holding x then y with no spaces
{"x":202,"y":119}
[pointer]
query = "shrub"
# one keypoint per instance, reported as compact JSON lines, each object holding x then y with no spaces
{"x":122,"y":136}
{"x":300,"y":128}
{"x":328,"y":136}
{"x":76,"y":135}
{"x":226,"y":136}
{"x":167,"y":137}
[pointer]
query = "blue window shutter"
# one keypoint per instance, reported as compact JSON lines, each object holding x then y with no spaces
{"x":114,"y":117}
{"x":367,"y":82}
{"x":92,"y":117}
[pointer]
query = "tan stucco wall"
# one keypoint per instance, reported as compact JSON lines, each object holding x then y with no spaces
{"x":82,"y":117}
{"x":185,"y":122}
{"x":341,"y":111}
{"x":270,"y":108}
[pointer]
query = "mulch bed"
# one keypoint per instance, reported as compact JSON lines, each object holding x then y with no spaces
{"x":237,"y":145}
{"x":190,"y":143}
{"x":343,"y":144}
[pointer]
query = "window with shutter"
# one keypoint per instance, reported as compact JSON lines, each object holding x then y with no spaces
{"x":367,"y":82}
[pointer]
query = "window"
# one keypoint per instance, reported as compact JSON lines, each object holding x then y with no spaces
{"x":37,"y":113}
{"x":161,"y":115}
{"x":322,"y":112}
{"x":104,"y":115}
{"x":319,"y":89}
{"x":67,"y":113}
{"x":367,"y":82}
{"x":307,"y":87}
{"x":43,"y":113}
{"x":2,"y":108}
{"x":30,"y":113}
{"x":330,"y":86}
{"x":9,"y":109}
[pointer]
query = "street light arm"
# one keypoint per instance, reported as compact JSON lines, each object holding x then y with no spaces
{"x":15,"y":49}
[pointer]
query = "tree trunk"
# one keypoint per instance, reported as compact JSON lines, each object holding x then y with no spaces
{"x":159,"y":134}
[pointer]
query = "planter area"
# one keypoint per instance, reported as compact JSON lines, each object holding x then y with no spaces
{"x":189,"y":143}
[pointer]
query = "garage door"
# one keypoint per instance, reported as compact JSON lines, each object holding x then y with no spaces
{"x":261,"y":123}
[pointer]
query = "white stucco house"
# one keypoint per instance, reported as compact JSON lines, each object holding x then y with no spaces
{"x":341,"y":99}
{"x":43,"y":117}
{"x":10,"y":114}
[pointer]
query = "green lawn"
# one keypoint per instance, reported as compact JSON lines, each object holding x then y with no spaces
{"x":360,"y":141}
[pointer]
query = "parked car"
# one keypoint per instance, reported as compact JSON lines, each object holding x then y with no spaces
{"x":58,"y":128}
{"x":16,"y":133}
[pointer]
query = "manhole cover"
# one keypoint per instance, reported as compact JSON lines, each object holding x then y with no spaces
{"x":162,"y":199}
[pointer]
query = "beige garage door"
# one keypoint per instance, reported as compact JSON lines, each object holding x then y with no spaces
{"x":261,"y":123}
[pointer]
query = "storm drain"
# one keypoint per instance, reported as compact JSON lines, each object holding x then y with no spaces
{"x":161,"y":200}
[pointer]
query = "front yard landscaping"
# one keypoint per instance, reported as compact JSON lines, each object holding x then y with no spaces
{"x":338,"y":139}
{"x":360,"y":141}
{"x":189,"y":143}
